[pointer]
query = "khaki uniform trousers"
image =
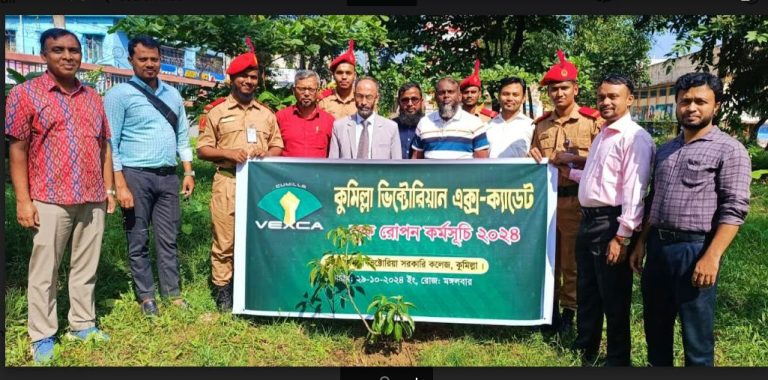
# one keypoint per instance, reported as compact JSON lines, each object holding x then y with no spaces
{"x":568,"y":221}
{"x":84,"y":223}
{"x":223,"y":220}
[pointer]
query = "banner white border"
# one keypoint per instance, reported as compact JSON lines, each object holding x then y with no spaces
{"x":241,"y":194}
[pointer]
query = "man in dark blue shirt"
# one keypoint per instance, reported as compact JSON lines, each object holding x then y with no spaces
{"x":411,"y":111}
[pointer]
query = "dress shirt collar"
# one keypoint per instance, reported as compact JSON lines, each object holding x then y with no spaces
{"x":709,"y":136}
{"x":160,"y":85}
{"x":231,"y":102}
{"x":359,"y":119}
{"x":520,"y":115}
{"x":457,"y":117}
{"x":619,"y":124}
{"x":315,"y":112}
{"x":51,"y":84}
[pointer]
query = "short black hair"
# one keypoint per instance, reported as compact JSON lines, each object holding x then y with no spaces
{"x":512,"y":80}
{"x":56,"y":33}
{"x":147,"y":41}
{"x":619,"y":79}
{"x":407,"y":86}
{"x":685,"y":82}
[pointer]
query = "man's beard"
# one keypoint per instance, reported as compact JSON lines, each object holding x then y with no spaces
{"x":695,"y":127}
{"x":447,"y":111}
{"x":365,"y":112}
{"x":411,"y":120}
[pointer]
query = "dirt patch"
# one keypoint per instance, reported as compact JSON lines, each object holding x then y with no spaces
{"x":385,"y":354}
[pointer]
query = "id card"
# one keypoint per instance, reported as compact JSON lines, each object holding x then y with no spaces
{"x":252,"y":137}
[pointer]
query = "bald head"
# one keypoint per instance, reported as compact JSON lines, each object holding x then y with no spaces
{"x":366,"y":96}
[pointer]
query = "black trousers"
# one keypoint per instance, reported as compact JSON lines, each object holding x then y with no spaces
{"x":156,"y":202}
{"x":602,"y":289}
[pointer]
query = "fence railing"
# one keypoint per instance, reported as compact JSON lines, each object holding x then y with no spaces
{"x":26,"y":63}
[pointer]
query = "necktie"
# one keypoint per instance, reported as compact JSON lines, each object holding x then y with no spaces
{"x":362,"y":146}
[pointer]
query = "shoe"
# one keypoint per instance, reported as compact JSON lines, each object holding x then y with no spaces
{"x":42,"y":350}
{"x":224,"y":298}
{"x":566,"y":321}
{"x":149,"y":308}
{"x":89,"y":333}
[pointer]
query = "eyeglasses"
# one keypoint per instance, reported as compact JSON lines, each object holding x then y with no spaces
{"x":412,"y":99}
{"x":366,"y":97}
{"x":306,"y":89}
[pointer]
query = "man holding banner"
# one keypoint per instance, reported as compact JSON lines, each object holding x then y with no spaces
{"x":239,"y":128}
{"x":365,"y":135}
{"x":450,"y":132}
{"x":570,"y":129}
{"x":612,"y":186}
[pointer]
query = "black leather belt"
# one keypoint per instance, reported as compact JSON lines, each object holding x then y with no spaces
{"x":227,"y":172}
{"x":567,"y":191}
{"x":593,"y":212}
{"x":678,"y":236}
{"x":163,"y":170}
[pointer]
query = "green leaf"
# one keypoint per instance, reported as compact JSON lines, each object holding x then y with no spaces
{"x":16,"y":76}
{"x":398,"y":332}
{"x":757,"y":174}
{"x":187,"y":229}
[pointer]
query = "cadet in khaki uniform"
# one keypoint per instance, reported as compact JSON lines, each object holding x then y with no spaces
{"x":341,"y":102}
{"x":471,"y":90}
{"x":565,"y":135}
{"x":237,"y":129}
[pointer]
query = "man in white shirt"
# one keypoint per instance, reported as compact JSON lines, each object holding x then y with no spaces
{"x":510,"y":132}
{"x":365,"y":135}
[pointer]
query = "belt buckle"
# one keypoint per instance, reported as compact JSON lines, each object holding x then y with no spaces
{"x":666,"y":235}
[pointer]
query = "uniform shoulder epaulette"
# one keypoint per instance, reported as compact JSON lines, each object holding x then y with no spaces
{"x":206,"y":109}
{"x":488,"y":112}
{"x":542,"y":117}
{"x":325,"y":93}
{"x":589,"y":112}
{"x":214,"y":103}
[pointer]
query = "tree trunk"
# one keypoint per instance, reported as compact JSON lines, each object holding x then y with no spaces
{"x":517,"y":43}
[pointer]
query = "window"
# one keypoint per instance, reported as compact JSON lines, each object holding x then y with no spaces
{"x":209,"y":63}
{"x":10,"y":40}
{"x":642,"y":94}
{"x":663,"y":92}
{"x":94,"y":47}
{"x":172,"y":56}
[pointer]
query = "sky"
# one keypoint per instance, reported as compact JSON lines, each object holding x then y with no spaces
{"x":662,"y":44}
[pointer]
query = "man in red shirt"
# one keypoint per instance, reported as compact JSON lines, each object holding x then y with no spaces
{"x":305,"y":127}
{"x":61,"y":167}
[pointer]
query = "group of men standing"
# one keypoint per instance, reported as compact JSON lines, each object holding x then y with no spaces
{"x":73,"y":158}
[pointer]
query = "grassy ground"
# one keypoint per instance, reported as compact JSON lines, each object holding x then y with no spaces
{"x":202,"y":336}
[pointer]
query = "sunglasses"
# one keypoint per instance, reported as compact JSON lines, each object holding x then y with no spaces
{"x":410,"y":100}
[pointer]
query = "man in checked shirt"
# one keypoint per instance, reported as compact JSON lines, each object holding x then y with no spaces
{"x":698,"y":200}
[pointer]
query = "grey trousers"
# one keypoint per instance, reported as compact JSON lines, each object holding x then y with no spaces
{"x":156,"y":203}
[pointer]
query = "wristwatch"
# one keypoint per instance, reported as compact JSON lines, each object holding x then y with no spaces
{"x":625,"y":241}
{"x":190,"y":173}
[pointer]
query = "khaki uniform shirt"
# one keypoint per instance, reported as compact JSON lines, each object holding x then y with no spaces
{"x":338,"y":107}
{"x":228,"y":124}
{"x":477,"y":111}
{"x":551,"y":132}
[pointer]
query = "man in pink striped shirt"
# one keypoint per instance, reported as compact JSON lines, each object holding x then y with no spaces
{"x":611,"y":191}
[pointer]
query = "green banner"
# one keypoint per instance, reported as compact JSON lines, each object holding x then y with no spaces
{"x":467,"y":241}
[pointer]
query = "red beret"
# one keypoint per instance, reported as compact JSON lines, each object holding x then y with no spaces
{"x":348,"y":56}
{"x":472,"y":80}
{"x":561,"y":71}
{"x":244,"y":61}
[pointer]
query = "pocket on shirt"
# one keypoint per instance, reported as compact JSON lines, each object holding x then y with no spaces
{"x":696,"y":173}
